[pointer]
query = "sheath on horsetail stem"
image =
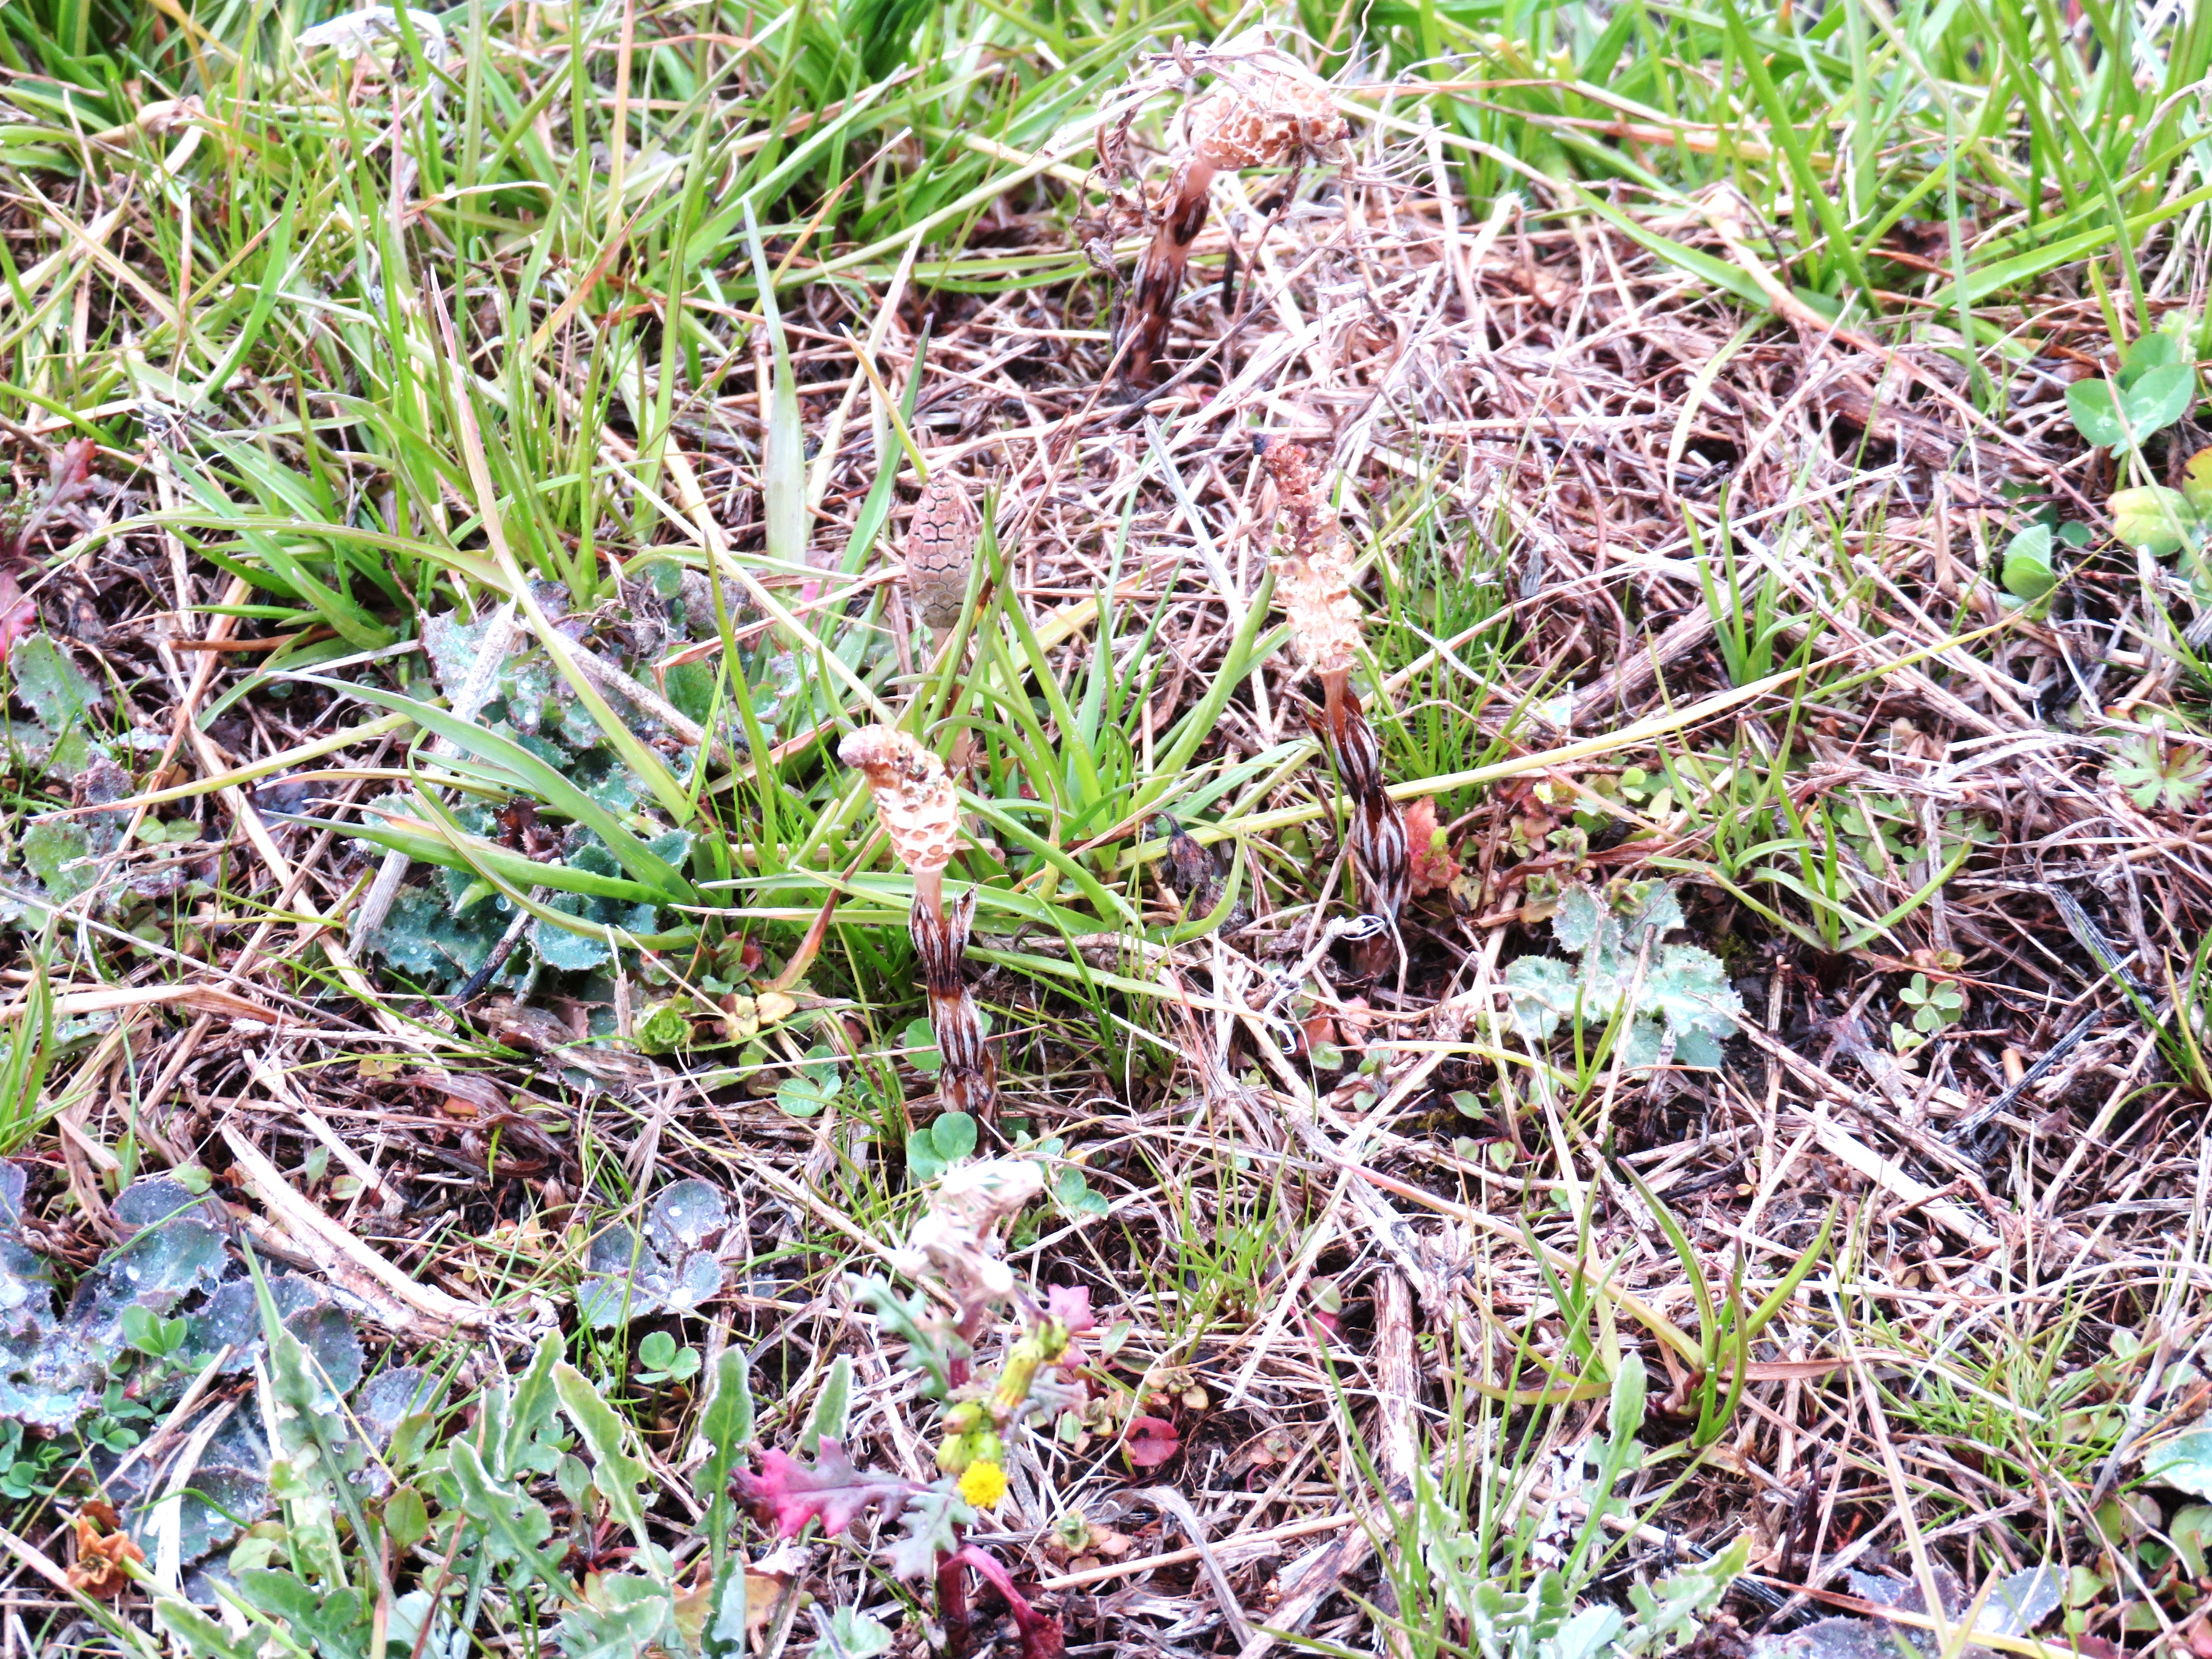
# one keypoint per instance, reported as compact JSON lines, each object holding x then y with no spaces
{"x":1313,"y":583}
{"x":1264,"y":119}
{"x":920,"y":811}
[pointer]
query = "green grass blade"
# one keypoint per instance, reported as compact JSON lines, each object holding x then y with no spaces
{"x":547,"y":782}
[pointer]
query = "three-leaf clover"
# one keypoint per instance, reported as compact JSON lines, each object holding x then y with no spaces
{"x":814,"y":1084}
{"x":2030,"y":571}
{"x":919,"y":1042}
{"x":1073,"y":1193}
{"x":1935,"y":1002}
{"x":2156,"y":387}
{"x":936,"y":1147}
{"x":659,"y":1360}
{"x":2155,"y":519}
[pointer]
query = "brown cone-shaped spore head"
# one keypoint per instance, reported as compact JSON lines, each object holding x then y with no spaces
{"x":1313,"y":577}
{"x":1292,"y":468}
{"x":1264,"y":119}
{"x":914,"y":797}
{"x":940,"y":548}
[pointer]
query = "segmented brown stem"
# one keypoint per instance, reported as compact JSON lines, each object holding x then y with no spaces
{"x":1159,"y":273}
{"x":918,"y":807}
{"x":967,"y":1079}
{"x":1380,"y":850}
{"x":1262,"y":119}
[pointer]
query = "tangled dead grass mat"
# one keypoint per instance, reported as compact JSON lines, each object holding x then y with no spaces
{"x":1655,"y":590}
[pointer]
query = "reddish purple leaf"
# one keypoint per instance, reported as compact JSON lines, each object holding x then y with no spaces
{"x":1150,"y":1441}
{"x":1070,"y":1305}
{"x":70,"y":473}
{"x":831,"y":1490}
{"x":1328,"y":1304}
{"x":19,"y":616}
{"x":1041,"y":1633}
{"x":69,"y":478}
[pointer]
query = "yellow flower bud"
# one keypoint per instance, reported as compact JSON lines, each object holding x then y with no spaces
{"x":972,"y":1444}
{"x":1021,"y":1370}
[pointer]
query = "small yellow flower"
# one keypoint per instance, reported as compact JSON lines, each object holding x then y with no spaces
{"x":984,"y":1484}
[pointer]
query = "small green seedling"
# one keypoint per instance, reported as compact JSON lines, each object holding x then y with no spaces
{"x":1670,"y":990}
{"x":814,"y":1084}
{"x":659,"y":1360}
{"x":662,"y":1028}
{"x":935,"y":1148}
{"x":2154,"y":773}
{"x":1936,"y":1005}
{"x":2155,"y":386}
{"x":149,"y":1334}
{"x":851,"y":1634}
{"x":1071,"y":1190}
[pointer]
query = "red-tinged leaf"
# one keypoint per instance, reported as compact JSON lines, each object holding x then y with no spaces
{"x":70,"y":473}
{"x":1327,"y":1302}
{"x":831,"y":1490}
{"x":1070,"y":1305}
{"x":1434,"y":867}
{"x":1041,"y":1632}
{"x":69,"y":478}
{"x":19,"y":616}
{"x":1150,"y":1441}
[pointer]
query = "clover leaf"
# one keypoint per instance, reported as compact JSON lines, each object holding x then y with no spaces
{"x":814,"y":1084}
